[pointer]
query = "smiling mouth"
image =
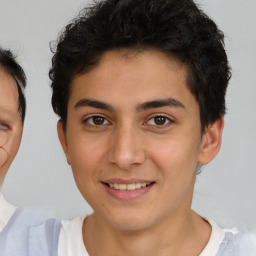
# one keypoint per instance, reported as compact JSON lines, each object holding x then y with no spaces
{"x":128,"y":187}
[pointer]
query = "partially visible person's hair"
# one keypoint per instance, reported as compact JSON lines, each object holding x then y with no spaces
{"x":9,"y":64}
{"x":178,"y":28}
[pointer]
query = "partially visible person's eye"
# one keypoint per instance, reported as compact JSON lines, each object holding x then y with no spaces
{"x":159,"y":120}
{"x":96,"y":121}
{"x":3,"y":127}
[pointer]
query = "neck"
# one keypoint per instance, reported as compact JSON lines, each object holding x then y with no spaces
{"x":184,"y":234}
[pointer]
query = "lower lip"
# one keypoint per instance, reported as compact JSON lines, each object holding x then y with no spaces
{"x":127,"y":195}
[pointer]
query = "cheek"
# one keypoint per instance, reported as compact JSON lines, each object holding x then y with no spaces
{"x":3,"y":153}
{"x":86,"y":156}
{"x":175,"y":154}
{"x":176,"y":162}
{"x":3,"y":157}
{"x":9,"y":149}
{"x":13,"y":143}
{"x":3,"y":137}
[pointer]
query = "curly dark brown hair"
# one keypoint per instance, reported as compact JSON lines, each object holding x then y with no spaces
{"x":176,"y":27}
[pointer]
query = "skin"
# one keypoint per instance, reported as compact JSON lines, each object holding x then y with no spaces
{"x":10,"y":123}
{"x":128,"y":142}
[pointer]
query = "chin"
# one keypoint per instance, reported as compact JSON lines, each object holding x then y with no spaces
{"x":130,"y":222}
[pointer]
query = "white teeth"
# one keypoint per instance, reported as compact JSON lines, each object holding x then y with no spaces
{"x":143,"y":185}
{"x":129,"y":187}
{"x":138,"y":185}
{"x":122,"y":186}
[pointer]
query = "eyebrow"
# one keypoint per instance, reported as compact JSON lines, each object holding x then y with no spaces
{"x":94,"y":104}
{"x":169,"y":102}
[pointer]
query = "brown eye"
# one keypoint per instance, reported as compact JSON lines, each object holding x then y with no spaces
{"x":160,"y":120}
{"x":96,"y":121}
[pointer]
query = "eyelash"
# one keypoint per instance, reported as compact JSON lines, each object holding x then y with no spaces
{"x":90,"y":121}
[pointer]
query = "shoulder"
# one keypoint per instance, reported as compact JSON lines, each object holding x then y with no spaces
{"x":29,"y":232}
{"x":229,"y":242}
{"x":238,"y":243}
{"x":24,"y":218}
{"x":43,"y":238}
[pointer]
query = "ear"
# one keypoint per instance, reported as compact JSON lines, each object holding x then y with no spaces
{"x":211,"y":141}
{"x":63,"y":139}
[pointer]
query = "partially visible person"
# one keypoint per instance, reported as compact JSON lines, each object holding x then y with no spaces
{"x":21,"y":231}
{"x":12,"y":115}
{"x":139,"y":87}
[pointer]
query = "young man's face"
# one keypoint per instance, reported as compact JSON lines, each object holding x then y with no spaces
{"x":133,"y":139}
{"x":10,"y":122}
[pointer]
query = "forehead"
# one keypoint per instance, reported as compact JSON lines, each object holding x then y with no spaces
{"x":9,"y":94}
{"x":126,"y":61}
{"x":125,"y":72}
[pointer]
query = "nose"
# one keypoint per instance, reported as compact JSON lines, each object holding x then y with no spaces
{"x":126,"y":148}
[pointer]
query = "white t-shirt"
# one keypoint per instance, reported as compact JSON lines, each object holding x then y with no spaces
{"x":71,"y":238}
{"x":6,"y":212}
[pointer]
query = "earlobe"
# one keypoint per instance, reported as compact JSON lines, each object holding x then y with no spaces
{"x":63,"y":139}
{"x":211,"y":141}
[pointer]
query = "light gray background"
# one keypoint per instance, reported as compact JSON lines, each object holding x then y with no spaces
{"x":40,"y":176}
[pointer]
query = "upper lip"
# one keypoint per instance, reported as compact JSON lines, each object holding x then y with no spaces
{"x":126,"y":181}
